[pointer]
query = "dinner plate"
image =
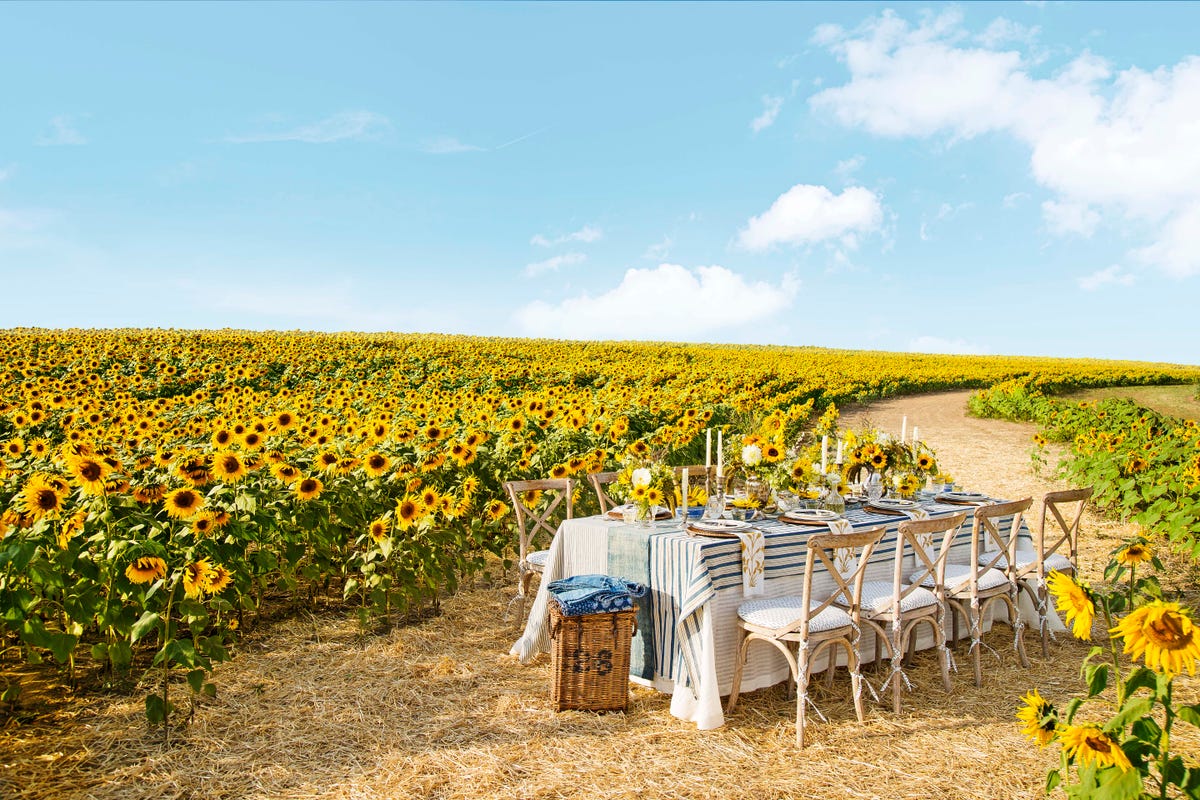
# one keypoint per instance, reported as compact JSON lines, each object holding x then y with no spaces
{"x":889,"y":506}
{"x":717,"y":527}
{"x":618,"y":512}
{"x":962,"y":497}
{"x":814,"y":516}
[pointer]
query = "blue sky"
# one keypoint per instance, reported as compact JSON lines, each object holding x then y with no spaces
{"x":995,"y":178}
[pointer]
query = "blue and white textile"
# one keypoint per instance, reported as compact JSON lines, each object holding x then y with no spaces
{"x":594,"y":594}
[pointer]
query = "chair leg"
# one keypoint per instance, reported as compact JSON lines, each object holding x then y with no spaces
{"x":855,"y":680}
{"x":743,"y":646}
{"x":975,"y":622}
{"x":802,"y":670}
{"x":939,"y":637}
{"x":1043,"y":600}
{"x":831,"y":667}
{"x":897,"y":652}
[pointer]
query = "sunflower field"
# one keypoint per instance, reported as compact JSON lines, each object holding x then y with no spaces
{"x":158,"y":486}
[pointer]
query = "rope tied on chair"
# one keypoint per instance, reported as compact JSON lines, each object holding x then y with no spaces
{"x":977,"y":629}
{"x":856,"y":676}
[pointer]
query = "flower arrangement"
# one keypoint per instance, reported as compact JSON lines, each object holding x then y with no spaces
{"x":645,"y":484}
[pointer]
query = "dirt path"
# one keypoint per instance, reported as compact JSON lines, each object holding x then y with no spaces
{"x":310,"y":708}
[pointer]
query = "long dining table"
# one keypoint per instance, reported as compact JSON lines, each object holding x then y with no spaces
{"x":687,"y":636}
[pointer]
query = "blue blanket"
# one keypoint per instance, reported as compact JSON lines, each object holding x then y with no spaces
{"x":594,"y":594}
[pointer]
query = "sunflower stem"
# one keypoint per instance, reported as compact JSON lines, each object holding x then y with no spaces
{"x":1164,"y":742}
{"x":1112,"y":651}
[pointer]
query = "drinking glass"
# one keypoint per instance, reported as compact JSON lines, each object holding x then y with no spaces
{"x":874,"y":487}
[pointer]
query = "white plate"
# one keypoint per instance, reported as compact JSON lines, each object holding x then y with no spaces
{"x":898,"y":505}
{"x":719,"y":525}
{"x":811,"y":516}
{"x":963,"y":496}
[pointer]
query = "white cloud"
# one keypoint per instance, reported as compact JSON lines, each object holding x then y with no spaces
{"x":340,"y":127}
{"x":1068,"y":217}
{"x":806,"y":213}
{"x":771,"y":107}
{"x":669,"y":302}
{"x":62,"y":132}
{"x":659,"y":250}
{"x":1001,"y":31}
{"x":935,"y":344}
{"x":1109,"y":276}
{"x":1012,"y":200}
{"x":553,"y":263}
{"x":587,"y":234}
{"x":1105,"y":143}
{"x":846,"y":168}
{"x":445,"y":145}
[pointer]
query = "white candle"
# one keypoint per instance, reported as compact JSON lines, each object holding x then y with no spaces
{"x":914,"y":438}
{"x":841,"y":454}
{"x":720,"y":453}
{"x":707,"y":448}
{"x":903,"y":429}
{"x":683,"y":498}
{"x":824,"y":454}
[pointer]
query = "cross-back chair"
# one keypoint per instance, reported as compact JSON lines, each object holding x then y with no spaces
{"x":599,"y":481}
{"x":1056,"y":549}
{"x":895,"y":609}
{"x":535,"y":521}
{"x":970,"y":589}
{"x":813,"y":625}
{"x":695,"y":472}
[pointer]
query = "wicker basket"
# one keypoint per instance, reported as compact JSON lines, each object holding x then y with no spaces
{"x":590,"y":659}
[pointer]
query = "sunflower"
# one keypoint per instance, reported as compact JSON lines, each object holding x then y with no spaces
{"x":1134,"y":553}
{"x":875,"y":456}
{"x":1164,"y":634}
{"x":497,"y":510}
{"x":285,"y":473}
{"x":429,"y":498}
{"x":40,"y":499}
{"x":202,"y":523}
{"x":378,"y":530}
{"x":197,"y":577}
{"x":654,"y":495}
{"x":1038,"y":717}
{"x":407,"y":511}
{"x":309,"y":488}
{"x":1136,"y":464}
{"x":149,"y":494}
{"x":772,"y":453}
{"x":376,"y":464}
{"x":1088,"y":744}
{"x":284,"y":420}
{"x":252,"y":440}
{"x":228,"y":468}
{"x":531,"y":497}
{"x":14,"y":446}
{"x":71,"y":528}
{"x":925,"y":463}
{"x":327,"y":460}
{"x":1075,"y":600}
{"x":39,"y":447}
{"x":146,"y":569}
{"x":558,"y":471}
{"x":218,"y":579}
{"x":222,"y":438}
{"x":183,"y":503}
{"x":194,"y":470}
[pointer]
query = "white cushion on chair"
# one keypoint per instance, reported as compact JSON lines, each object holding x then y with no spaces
{"x":958,"y":576}
{"x":779,"y":612}
{"x":1026,"y":558}
{"x":538,"y":558}
{"x":877,"y":597}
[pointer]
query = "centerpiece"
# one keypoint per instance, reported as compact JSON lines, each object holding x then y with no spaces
{"x":645,"y":485}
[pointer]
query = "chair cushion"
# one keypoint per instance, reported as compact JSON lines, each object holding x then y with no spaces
{"x":1026,"y":558}
{"x":877,"y":598}
{"x":538,"y":558}
{"x":779,"y":612}
{"x":958,"y":577}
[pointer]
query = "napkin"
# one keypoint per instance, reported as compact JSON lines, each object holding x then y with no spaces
{"x":843,"y":558}
{"x":754,"y":549}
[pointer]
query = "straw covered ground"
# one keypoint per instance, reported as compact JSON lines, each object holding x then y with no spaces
{"x":312,"y":709}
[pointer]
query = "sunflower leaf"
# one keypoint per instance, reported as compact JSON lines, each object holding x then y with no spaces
{"x":1134,"y":708}
{"x":148,"y":622}
{"x":1096,"y":676}
{"x":1189,"y":714}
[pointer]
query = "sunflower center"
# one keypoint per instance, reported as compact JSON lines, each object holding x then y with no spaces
{"x":308,"y":485}
{"x":185,"y":499}
{"x":90,"y":471}
{"x":231,"y":464}
{"x":1098,"y":743}
{"x":1167,"y":632}
{"x":46,"y":500}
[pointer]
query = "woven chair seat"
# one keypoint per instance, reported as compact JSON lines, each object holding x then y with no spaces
{"x":958,"y":578}
{"x":1027,"y":558}
{"x":877,"y":598}
{"x":538,"y":558}
{"x":779,"y":612}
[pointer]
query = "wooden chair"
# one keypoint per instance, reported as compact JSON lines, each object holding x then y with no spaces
{"x":599,"y":480}
{"x":813,"y":625}
{"x":532,"y":522}
{"x":894,"y":609}
{"x":695,"y":472}
{"x":1030,"y":568}
{"x":971,"y":588}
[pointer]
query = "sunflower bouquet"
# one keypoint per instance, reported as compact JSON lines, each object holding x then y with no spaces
{"x":1128,"y":755}
{"x":645,"y":484}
